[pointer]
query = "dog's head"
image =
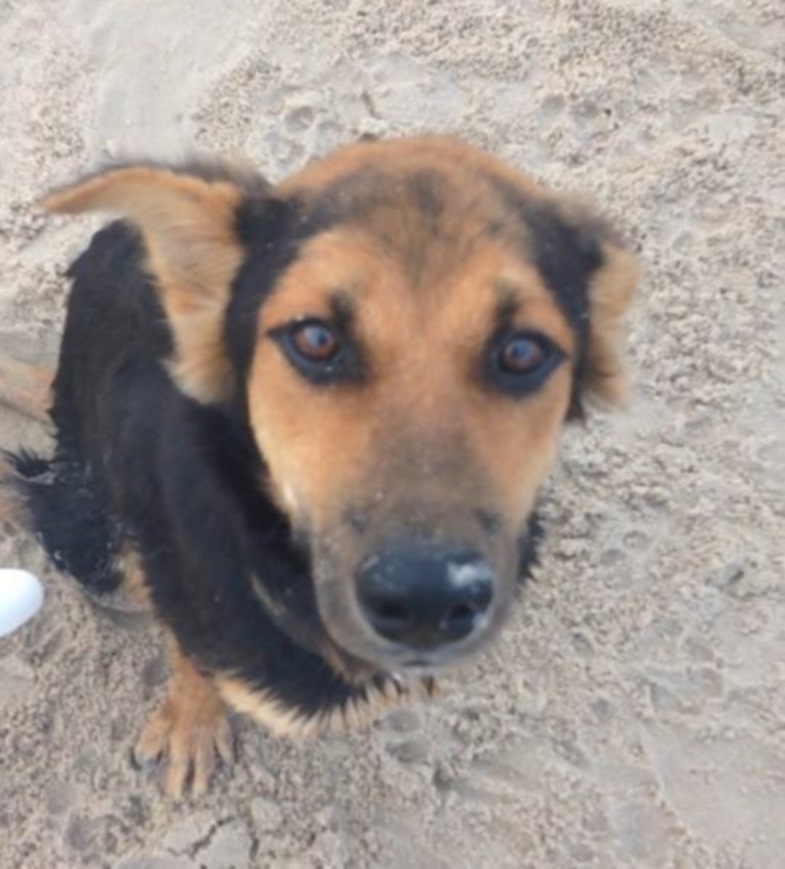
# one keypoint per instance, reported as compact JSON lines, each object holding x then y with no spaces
{"x":407,"y":326}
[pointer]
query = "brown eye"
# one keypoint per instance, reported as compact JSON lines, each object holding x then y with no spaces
{"x":518,"y":363}
{"x":315,"y":342}
{"x":522,"y":355}
{"x":323,"y":353}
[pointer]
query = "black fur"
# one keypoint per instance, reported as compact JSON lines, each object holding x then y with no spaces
{"x":268,"y":228}
{"x":186,"y":481}
{"x":272,"y":231}
{"x":350,"y":198}
{"x":425,"y":188}
{"x":529,"y":545}
{"x":139,"y":462}
{"x":73,"y":504}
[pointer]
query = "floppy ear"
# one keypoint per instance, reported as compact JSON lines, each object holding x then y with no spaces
{"x":187,"y":221}
{"x":610,"y":292}
{"x":611,"y":286}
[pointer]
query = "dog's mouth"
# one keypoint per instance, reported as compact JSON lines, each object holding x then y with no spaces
{"x":349,"y":648}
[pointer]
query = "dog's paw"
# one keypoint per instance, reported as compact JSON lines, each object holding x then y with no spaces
{"x":186,"y":735}
{"x":184,"y":749}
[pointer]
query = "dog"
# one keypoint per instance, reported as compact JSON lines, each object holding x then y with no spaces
{"x":308,"y":423}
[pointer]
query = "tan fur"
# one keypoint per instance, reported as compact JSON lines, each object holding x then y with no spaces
{"x":403,"y":156}
{"x":187,"y":731}
{"x":321,"y":444}
{"x":353,"y":671}
{"x":25,"y":388}
{"x":286,"y":722}
{"x":610,"y":295}
{"x":134,"y":588}
{"x":187,"y":225}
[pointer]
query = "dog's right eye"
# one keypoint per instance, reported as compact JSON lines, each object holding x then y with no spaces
{"x":319,"y":352}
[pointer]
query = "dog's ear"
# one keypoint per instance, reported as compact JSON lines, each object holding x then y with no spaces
{"x":613,"y":277}
{"x":611,"y":291}
{"x":187,"y":218}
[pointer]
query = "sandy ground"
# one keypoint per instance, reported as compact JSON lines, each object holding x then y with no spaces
{"x":634,"y":712}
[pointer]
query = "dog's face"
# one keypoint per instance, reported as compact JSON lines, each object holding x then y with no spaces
{"x":407,"y":326}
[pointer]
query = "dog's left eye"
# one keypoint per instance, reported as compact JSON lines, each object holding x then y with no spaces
{"x":519,"y":362}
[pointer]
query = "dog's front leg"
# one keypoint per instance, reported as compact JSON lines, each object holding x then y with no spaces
{"x":25,"y":388}
{"x":188,"y":731}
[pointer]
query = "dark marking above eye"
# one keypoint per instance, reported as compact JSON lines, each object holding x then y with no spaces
{"x":342,"y":308}
{"x":566,"y":255}
{"x":349,"y":198}
{"x":507,"y":305}
{"x":425,"y":189}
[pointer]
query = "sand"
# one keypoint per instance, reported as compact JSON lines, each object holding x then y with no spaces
{"x":634,"y":712}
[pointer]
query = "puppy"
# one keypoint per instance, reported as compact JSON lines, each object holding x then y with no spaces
{"x":309,"y":423}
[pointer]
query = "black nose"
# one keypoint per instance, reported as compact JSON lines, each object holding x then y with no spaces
{"x":425,"y":595}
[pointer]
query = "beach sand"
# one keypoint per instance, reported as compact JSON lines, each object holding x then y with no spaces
{"x":633,"y":714}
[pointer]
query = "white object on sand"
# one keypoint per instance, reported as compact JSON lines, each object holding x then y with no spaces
{"x":21,"y":596}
